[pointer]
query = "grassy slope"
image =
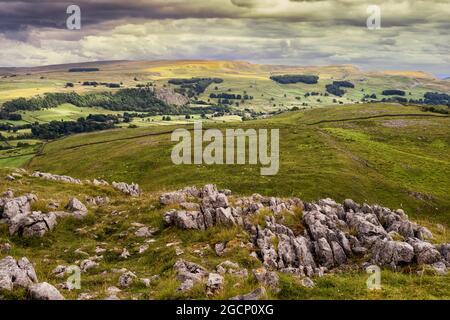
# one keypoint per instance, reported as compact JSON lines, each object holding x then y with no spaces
{"x":66,"y":112}
{"x":114,"y":232}
{"x":392,"y":161}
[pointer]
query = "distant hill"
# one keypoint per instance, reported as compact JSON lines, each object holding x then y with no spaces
{"x":239,"y":78}
{"x":222,"y":66}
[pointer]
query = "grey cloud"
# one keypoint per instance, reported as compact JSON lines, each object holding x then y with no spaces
{"x":281,"y":32}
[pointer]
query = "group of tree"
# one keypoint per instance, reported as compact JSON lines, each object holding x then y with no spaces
{"x":395,"y":99}
{"x":335,"y":87}
{"x":344,"y":84}
{"x":104,"y":118}
{"x":10,"y":116}
{"x":230,"y":96}
{"x":312,"y":94}
{"x":436,"y":98}
{"x":436,"y":109}
{"x":334,"y":90}
{"x":194,"y":86}
{"x":106,"y":84}
{"x":429,"y":98}
{"x":287,"y":79}
{"x":13,"y":128}
{"x":84,"y":69}
{"x":56,"y":129}
{"x":49,"y":100}
{"x":393,"y":92}
{"x":133,"y":99}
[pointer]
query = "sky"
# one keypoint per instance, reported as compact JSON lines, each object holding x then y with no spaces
{"x":414,"y":34}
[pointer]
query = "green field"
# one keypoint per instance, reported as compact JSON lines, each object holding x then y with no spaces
{"x":64,"y":112}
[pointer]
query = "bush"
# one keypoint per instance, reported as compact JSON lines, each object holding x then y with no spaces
{"x":393,"y":93}
{"x":84,"y":69}
{"x":286,"y":79}
{"x":335,"y":90}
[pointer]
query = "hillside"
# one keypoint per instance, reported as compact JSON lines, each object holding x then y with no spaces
{"x":79,"y":239}
{"x":139,"y":242}
{"x":239,"y":76}
{"x":379,"y":153}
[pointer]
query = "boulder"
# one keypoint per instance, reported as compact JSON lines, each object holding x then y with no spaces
{"x":55,"y":177}
{"x":77,"y":208}
{"x":214,"y":283}
{"x":186,"y":286}
{"x":8,"y":194}
{"x":307,"y":283}
{"x":224,"y":216}
{"x":125,"y":254}
{"x":36,"y":224}
{"x":219,"y":248}
{"x":425,"y":252}
{"x":144,"y":232}
{"x":129,"y":189}
{"x":440,"y":268}
{"x":126,"y":279}
{"x":392,"y":253}
{"x":188,"y":270}
{"x":5,"y":247}
{"x":15,"y":274}
{"x":294,"y":252}
{"x":258,"y":294}
{"x":44,"y":291}
{"x":268,"y":278}
{"x":184,"y":219}
{"x":324,"y":253}
{"x":176,"y":197}
{"x":100,"y":182}
{"x":231,"y":268}
{"x":423,"y":233}
{"x":17,"y":206}
{"x":60,"y":271}
{"x":97,"y":201}
{"x":53,"y":205}
{"x":87,"y":264}
{"x":444,"y":249}
{"x":349,"y":204}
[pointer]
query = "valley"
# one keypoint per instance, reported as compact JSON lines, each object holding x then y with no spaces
{"x":87,"y":182}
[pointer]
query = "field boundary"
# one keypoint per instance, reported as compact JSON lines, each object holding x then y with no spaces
{"x":378,"y":116}
{"x":122,"y":139}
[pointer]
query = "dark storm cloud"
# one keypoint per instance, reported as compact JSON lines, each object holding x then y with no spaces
{"x":414,"y":32}
{"x":20,"y":15}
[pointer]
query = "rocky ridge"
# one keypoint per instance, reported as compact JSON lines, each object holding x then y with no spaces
{"x":326,"y":237}
{"x":333,"y":233}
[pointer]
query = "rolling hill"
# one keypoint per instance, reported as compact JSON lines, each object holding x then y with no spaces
{"x":389,"y":154}
{"x":378,"y":153}
{"x":239,"y":77}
